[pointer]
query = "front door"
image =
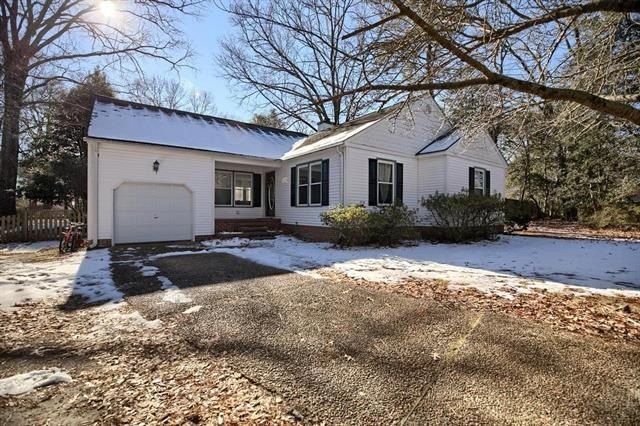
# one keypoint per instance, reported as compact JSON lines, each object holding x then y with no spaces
{"x":270,"y":194}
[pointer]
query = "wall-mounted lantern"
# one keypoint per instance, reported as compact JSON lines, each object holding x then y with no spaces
{"x":156,"y":166}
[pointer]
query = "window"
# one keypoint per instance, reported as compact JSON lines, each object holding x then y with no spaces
{"x":223,"y":188}
{"x":303,"y":185}
{"x":479,"y":180}
{"x":310,"y":184}
{"x":242,"y":183}
{"x":316,"y":184}
{"x":233,"y":188}
{"x":385,"y":183}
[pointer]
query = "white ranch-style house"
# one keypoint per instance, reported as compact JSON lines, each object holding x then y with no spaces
{"x":156,"y":174}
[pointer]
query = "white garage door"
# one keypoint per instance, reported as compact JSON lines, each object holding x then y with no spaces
{"x":151,"y":212}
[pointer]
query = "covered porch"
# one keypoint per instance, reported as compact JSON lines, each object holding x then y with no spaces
{"x":245,"y":199}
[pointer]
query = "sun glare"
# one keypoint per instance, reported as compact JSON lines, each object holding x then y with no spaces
{"x":107,"y":8}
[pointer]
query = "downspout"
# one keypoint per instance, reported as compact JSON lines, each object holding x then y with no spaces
{"x":340,"y":149}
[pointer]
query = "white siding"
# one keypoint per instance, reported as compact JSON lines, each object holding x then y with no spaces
{"x":242,"y":212}
{"x":404,"y":133}
{"x":307,"y":215}
{"x":458,"y":173}
{"x":480,"y":151}
{"x":121,"y":162}
{"x":92,"y":182}
{"x":432,"y":178}
{"x":357,"y":166}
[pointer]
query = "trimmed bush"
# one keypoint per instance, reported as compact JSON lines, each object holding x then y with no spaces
{"x":391,"y":224}
{"x":465,"y":217}
{"x":351,"y":224}
{"x":356,"y":225}
{"x":518,"y":214}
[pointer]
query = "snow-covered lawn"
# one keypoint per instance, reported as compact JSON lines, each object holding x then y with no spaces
{"x":23,"y":280}
{"x":510,"y":265}
{"x":15,"y":248}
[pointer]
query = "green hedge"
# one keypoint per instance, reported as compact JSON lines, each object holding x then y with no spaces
{"x":357,"y":225}
{"x":465,"y":217}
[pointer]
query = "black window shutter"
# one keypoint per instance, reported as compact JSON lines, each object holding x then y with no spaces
{"x":472,"y":180}
{"x":294,"y":184}
{"x":487,"y":182}
{"x":325,"y":182}
{"x":373,"y":182}
{"x":399,"y":182}
{"x":257,"y":190}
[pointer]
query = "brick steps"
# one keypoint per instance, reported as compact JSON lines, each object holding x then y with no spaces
{"x":256,"y":229}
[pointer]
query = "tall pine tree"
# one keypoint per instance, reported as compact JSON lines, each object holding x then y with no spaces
{"x":55,"y":166}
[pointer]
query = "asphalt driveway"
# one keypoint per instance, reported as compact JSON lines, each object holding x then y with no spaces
{"x":346,"y":354}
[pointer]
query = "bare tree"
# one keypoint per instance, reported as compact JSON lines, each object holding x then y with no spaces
{"x":290,"y":55}
{"x":520,"y":50}
{"x":169,"y":93}
{"x":200,"y":102}
{"x":45,"y":41}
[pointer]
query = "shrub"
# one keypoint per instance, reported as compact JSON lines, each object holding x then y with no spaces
{"x":465,"y":217}
{"x":519,"y":213}
{"x":391,"y":224}
{"x":351,"y":224}
{"x":625,"y":216}
{"x":356,"y":225}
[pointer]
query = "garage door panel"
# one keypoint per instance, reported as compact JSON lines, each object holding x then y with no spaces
{"x":152,"y":212}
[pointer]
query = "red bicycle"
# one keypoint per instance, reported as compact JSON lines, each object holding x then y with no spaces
{"x":71,"y":237}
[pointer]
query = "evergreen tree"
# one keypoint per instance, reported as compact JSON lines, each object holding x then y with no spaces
{"x":270,"y":119}
{"x":55,"y":168}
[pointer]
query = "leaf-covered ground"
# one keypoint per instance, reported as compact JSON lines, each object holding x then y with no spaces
{"x":605,"y":316}
{"x":124,"y":372}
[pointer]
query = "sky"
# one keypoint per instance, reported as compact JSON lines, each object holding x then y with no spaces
{"x":203,"y":33}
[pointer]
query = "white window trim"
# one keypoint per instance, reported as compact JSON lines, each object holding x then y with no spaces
{"x":220,"y":187}
{"x":484,"y":177}
{"x":308,"y":184}
{"x":392,"y":183}
{"x":233,"y":189}
{"x":250,"y":189}
{"x":311,"y":183}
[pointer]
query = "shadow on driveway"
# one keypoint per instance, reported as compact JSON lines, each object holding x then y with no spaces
{"x":124,"y":267}
{"x":346,"y":354}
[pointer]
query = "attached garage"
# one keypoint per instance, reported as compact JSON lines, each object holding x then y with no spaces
{"x":149,"y":212}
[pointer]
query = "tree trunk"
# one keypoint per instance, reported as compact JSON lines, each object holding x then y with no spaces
{"x":14,"y":83}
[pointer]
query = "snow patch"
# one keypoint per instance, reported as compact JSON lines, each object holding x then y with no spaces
{"x":93,"y":280}
{"x":147,"y":271}
{"x":171,"y":292}
{"x":15,"y":248}
{"x":26,"y":382}
{"x":192,"y":310}
{"x":84,"y":273}
{"x":510,"y":265}
{"x":176,"y":253}
{"x":230,"y":242}
{"x":126,"y":322}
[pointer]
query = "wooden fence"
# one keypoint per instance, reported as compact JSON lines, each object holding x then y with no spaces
{"x":37,"y":225}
